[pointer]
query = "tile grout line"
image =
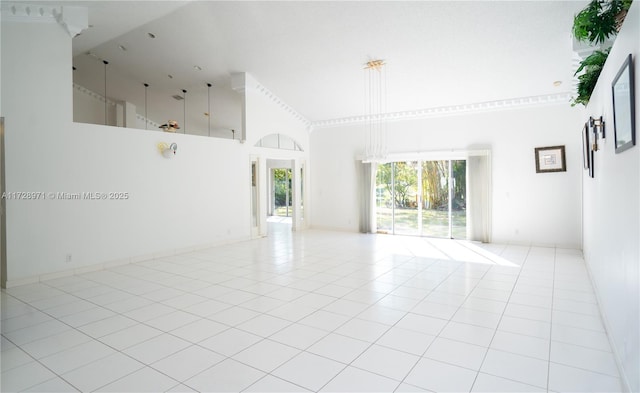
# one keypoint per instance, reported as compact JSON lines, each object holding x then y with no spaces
{"x":553,"y":288}
{"x":144,"y":323}
{"x":385,"y":332}
{"x":115,"y":349}
{"x":268,"y":337}
{"x":448,"y":321}
{"x":363,"y":267}
{"x":392,"y":326}
{"x":40,"y":363}
{"x":484,"y":358}
{"x":94,"y":361}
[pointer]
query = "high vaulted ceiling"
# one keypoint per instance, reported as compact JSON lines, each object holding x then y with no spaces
{"x":311,"y":54}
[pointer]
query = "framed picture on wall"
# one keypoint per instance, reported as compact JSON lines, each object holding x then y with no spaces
{"x":624,"y":117}
{"x":586,"y":156}
{"x":550,"y":159}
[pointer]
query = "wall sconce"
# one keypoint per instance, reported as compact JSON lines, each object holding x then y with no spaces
{"x":597,"y":125}
{"x":167,"y":150}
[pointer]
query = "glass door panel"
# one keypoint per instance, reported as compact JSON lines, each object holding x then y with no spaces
{"x":406,"y":200}
{"x":459,"y":202}
{"x":254,"y":194}
{"x":384,"y":200}
{"x":435,"y":198}
{"x":424,"y":198}
{"x":282,"y":192}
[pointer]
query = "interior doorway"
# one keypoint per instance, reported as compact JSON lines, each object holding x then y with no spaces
{"x":280,"y":204}
{"x":281,"y":192}
{"x":422,"y":198}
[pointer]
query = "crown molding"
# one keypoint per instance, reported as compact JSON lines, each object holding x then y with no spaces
{"x":149,"y":122}
{"x":93,"y":94}
{"x":451,"y":110}
{"x":29,"y":12}
{"x":73,"y":19}
{"x":243,"y":81}
{"x":283,"y":105}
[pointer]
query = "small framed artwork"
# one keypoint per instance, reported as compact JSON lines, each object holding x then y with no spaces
{"x":624,"y":116}
{"x":586,"y":148}
{"x":550,"y":159}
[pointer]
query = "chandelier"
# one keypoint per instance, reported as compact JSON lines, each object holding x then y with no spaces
{"x":376,"y":105}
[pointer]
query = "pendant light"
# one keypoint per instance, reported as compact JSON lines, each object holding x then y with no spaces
{"x":376,"y":148}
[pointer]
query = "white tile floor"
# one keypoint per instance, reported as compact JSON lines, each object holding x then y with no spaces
{"x":315,"y":311}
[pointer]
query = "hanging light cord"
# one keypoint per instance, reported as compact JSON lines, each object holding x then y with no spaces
{"x":105,"y":91}
{"x":209,"y":105}
{"x":146,"y":119}
{"x":184,"y":112}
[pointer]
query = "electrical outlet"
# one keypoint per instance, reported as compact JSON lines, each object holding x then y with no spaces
{"x":68,"y":258}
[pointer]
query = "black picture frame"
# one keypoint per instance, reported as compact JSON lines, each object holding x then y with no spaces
{"x":624,"y":116}
{"x":586,"y":147}
{"x":550,"y":159}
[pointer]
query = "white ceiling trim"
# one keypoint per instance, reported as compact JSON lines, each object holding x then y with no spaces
{"x":243,"y":80}
{"x":283,"y":105}
{"x":29,"y":12}
{"x":150,"y":122}
{"x":489,"y":106}
{"x":73,"y":19}
{"x":93,"y":94}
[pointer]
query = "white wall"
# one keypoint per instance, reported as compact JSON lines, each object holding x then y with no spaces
{"x":199,"y":197}
{"x":265,"y":114}
{"x":528,"y":208}
{"x":612,"y":212}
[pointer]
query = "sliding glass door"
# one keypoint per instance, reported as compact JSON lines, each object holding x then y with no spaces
{"x":423,"y":198}
{"x":405,"y":201}
{"x":435,"y":198}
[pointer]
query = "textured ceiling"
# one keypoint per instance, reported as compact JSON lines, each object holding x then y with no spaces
{"x":310,"y":54}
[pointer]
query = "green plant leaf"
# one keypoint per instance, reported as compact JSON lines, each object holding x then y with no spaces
{"x":596,"y":59}
{"x":598,"y":20}
{"x":592,"y":66}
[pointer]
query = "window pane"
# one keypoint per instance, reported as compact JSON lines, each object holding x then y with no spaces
{"x":406,"y":198}
{"x":435,"y":198}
